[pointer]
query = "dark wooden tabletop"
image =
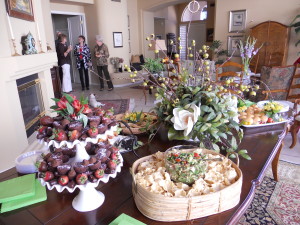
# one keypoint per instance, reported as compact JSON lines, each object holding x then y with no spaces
{"x":262,"y":147}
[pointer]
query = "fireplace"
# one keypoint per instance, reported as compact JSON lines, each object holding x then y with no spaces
{"x":31,"y":99}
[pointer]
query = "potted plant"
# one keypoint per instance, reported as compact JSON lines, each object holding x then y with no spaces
{"x":153,"y":66}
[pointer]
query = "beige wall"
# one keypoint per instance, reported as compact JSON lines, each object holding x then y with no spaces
{"x":66,"y":7}
{"x":258,"y":11}
{"x":132,"y":9}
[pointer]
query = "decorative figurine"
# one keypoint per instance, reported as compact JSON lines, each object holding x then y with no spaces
{"x":28,"y":44}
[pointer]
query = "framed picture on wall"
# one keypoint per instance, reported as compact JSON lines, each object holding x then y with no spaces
{"x":233,"y":43}
{"x":237,"y":21}
{"x":20,"y":9}
{"x":118,"y":39}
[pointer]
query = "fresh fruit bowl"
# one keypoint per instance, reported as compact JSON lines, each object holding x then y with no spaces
{"x":139,"y":122}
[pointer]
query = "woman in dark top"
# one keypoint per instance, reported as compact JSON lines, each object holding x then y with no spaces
{"x":64,"y":60}
{"x":102,"y":55}
{"x":83,"y":59}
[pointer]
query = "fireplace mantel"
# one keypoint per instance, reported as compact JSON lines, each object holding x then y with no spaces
{"x":13,"y":137}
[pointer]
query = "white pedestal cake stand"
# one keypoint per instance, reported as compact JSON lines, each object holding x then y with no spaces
{"x":88,"y":198}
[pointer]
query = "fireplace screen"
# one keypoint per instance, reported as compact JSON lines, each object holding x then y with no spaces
{"x":31,"y":101}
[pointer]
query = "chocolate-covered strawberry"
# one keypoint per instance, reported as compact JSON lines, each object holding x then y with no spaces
{"x":74,"y":135}
{"x":58,"y":118}
{"x":96,"y":165}
{"x":112,"y":124}
{"x":94,"y":121}
{"x":72,"y":174}
{"x":99,"y":112}
{"x":114,"y":156}
{"x":63,"y":169}
{"x":59,"y":135}
{"x":64,"y":123}
{"x":99,"y":173}
{"x":79,"y":168}
{"x":46,"y":121}
{"x":114,"y":149}
{"x":92,"y":159}
{"x":71,"y":184}
{"x":55,"y":163}
{"x":41,"y":166}
{"x":106,"y":120}
{"x":49,"y":131}
{"x":83,"y":137}
{"x":66,"y":151}
{"x":112,"y":164}
{"x":47,"y":176}
{"x":92,"y":132}
{"x":57,"y":125}
{"x":65,"y":158}
{"x":53,"y":182}
{"x":41,"y":132}
{"x":75,"y":125}
{"x":63,"y":180}
{"x":81,"y":179}
{"x":92,"y":178}
{"x":102,"y":128}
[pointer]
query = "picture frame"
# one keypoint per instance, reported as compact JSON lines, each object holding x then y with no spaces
{"x":116,"y":0}
{"x":20,"y":9}
{"x":118,"y":39}
{"x":233,"y":42}
{"x":237,"y":21}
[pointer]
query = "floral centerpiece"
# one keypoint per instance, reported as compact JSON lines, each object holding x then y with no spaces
{"x":194,"y":107}
{"x":116,"y":62}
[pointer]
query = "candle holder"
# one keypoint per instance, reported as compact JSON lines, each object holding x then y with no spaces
{"x":15,"y":47}
{"x":41,"y":48}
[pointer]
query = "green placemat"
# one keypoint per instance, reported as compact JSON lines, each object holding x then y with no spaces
{"x":39,"y":196}
{"x":124,"y":219}
{"x":17,"y":188}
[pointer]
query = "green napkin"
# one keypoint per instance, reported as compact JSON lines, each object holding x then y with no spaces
{"x":17,"y":188}
{"x":39,"y":196}
{"x":124,"y":219}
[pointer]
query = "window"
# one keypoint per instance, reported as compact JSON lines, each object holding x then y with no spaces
{"x":183,"y":41}
{"x":195,"y":11}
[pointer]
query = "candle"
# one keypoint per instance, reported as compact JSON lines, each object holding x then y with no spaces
{"x":10,"y":28}
{"x":38,"y":31}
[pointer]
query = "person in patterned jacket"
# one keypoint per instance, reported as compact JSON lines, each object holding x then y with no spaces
{"x":83,"y":61}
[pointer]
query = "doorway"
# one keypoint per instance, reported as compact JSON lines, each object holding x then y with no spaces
{"x":72,"y":26}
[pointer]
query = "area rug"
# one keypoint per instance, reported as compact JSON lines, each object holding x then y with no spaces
{"x":274,"y":202}
{"x":119,"y":105}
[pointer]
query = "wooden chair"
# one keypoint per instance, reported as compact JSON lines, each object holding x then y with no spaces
{"x":229,"y":73}
{"x":294,"y":129}
{"x":254,"y":64}
{"x":281,"y":81}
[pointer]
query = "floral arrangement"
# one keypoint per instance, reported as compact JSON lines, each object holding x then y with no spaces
{"x":116,"y":62}
{"x":71,"y":108}
{"x":191,"y":106}
{"x":248,"y":51}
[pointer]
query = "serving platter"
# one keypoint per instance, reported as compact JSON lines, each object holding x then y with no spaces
{"x":285,"y":105}
{"x":264,"y":125}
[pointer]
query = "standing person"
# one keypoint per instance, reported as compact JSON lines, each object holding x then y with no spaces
{"x":102,"y":55}
{"x":58,"y":33}
{"x":64,"y":60}
{"x":83,"y":59}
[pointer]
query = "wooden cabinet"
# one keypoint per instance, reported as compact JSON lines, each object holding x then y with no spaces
{"x":274,"y":37}
{"x":55,"y":76}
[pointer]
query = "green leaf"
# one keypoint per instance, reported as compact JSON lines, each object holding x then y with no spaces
{"x":233,"y":143}
{"x":297,"y":30}
{"x":297,"y":43}
{"x":204,"y":108}
{"x":68,"y":97}
{"x":296,"y":24}
{"x":185,"y":96}
{"x":246,"y":156}
{"x":209,"y":116}
{"x":244,"y":151}
{"x":216,"y":147}
{"x":197,"y":89}
{"x":298,"y":16}
{"x":55,"y":99}
{"x":176,"y":135}
{"x":53,"y":107}
{"x":69,"y":108}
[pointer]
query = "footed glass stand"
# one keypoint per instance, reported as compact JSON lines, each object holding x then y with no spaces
{"x":88,"y":198}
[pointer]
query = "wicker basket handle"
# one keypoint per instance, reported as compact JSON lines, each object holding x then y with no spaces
{"x":237,"y":157}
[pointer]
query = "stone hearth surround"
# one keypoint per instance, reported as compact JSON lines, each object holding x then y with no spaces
{"x":13,"y":137}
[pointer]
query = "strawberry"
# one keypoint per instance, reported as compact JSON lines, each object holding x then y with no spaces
{"x":114,"y":156}
{"x":112,"y":164}
{"x":47,"y":176}
{"x":63,"y":180}
{"x":46,"y":121}
{"x":74,"y":135}
{"x":81,"y":179}
{"x":59,"y":135}
{"x":270,"y":120}
{"x":42,"y":166}
{"x":42,"y":129}
{"x":99,"y":173}
{"x":114,"y":149}
{"x":92,"y":132}
{"x":106,"y":119}
{"x":99,"y":112}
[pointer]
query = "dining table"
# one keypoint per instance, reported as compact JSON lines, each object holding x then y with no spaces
{"x":263,"y":144}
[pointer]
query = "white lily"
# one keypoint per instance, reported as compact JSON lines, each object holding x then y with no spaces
{"x":185,"y":119}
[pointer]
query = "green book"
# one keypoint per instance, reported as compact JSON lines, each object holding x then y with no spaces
{"x":17,"y":188}
{"x":39,"y":196}
{"x":124,"y":219}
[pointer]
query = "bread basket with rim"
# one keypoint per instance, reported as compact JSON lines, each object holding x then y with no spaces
{"x":137,"y":129}
{"x":163,"y":208}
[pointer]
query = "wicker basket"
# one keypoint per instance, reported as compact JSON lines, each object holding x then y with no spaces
{"x":162,"y":208}
{"x":135,"y":130}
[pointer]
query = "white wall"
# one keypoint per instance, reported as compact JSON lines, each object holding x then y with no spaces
{"x":132,"y":9}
